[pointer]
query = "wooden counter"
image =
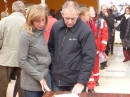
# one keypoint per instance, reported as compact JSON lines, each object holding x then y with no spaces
{"x":85,"y":94}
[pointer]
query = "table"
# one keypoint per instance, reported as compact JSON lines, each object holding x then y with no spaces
{"x":85,"y":94}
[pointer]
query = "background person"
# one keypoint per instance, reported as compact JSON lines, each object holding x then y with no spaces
{"x":114,"y":10}
{"x":52,"y":13}
{"x":113,"y":34}
{"x":4,"y":14}
{"x":9,"y":33}
{"x":121,"y":9}
{"x":127,"y":35}
{"x":123,"y":24}
{"x":93,"y":18}
{"x":110,"y":25}
{"x":51,"y":21}
{"x":46,"y":33}
{"x":84,"y":15}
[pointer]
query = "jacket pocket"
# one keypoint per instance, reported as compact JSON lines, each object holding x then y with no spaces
{"x":43,"y":60}
{"x":69,"y":76}
{"x":39,"y":59}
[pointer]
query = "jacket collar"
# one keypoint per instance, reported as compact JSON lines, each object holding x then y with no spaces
{"x":74,"y":28}
{"x":17,"y":13}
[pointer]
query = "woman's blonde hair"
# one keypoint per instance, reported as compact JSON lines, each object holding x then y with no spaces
{"x":34,"y":13}
{"x":83,"y":10}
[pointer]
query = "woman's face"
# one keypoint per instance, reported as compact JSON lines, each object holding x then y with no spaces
{"x":127,"y":11}
{"x":40,"y":23}
{"x":92,"y":12}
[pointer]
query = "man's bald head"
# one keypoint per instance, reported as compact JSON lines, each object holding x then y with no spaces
{"x":103,"y":6}
{"x":71,"y":6}
{"x":70,"y":12}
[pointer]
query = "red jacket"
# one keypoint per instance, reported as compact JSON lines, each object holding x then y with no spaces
{"x":51,"y":21}
{"x":100,"y":33}
{"x":93,"y":26}
{"x":102,"y":36}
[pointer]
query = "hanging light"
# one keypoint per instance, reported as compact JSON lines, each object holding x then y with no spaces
{"x":5,"y":1}
{"x":22,"y":0}
{"x":6,"y":6}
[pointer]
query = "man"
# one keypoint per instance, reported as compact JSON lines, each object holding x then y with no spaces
{"x":72,"y":48}
{"x":110,"y":25}
{"x":85,"y":16}
{"x":3,"y":15}
{"x":9,"y":33}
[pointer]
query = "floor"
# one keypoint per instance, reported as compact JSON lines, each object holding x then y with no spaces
{"x":115,"y":78}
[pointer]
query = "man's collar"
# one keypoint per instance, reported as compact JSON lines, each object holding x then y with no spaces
{"x":72,"y":29}
{"x":18,"y":13}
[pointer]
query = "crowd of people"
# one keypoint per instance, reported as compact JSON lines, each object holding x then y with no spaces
{"x":45,"y":53}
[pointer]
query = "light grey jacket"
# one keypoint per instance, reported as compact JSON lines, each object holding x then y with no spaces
{"x":9,"y":33}
{"x":33,"y":58}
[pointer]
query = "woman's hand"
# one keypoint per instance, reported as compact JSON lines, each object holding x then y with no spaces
{"x":44,"y":85}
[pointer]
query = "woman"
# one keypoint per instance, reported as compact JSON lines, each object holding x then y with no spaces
{"x":33,"y":55}
{"x":93,"y":18}
{"x":100,"y":30}
{"x":113,"y":33}
{"x":124,"y":19}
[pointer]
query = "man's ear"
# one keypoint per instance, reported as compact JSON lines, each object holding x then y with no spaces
{"x":62,"y":13}
{"x":81,"y":16}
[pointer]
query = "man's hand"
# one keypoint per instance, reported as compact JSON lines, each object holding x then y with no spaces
{"x":106,"y":14}
{"x":44,"y":85}
{"x":78,"y":88}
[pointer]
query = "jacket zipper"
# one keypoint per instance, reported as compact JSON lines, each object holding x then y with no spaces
{"x":64,"y":38}
{"x":61,"y":49}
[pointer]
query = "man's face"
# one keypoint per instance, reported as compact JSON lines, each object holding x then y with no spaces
{"x":104,"y":9}
{"x":70,"y":18}
{"x":85,"y":17}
